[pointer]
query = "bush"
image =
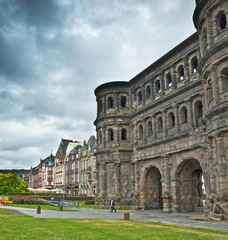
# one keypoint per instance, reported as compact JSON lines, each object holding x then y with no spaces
{"x":19,"y":199}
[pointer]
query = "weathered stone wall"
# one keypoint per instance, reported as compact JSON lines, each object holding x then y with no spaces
{"x":162,"y":136}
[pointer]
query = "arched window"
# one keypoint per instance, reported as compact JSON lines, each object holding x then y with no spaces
{"x":149,"y":128}
{"x":171,"y":119}
{"x":194,"y":64}
{"x":209,"y":90}
{"x":148,"y":91}
{"x":100,"y":106}
{"x":139,"y":97}
{"x":224,"y":78}
{"x":181,"y":72}
{"x":198,"y":113}
{"x":123,"y":101}
{"x":157,"y":86}
{"x":110,"y":134}
{"x":168,"y":80}
{"x":204,"y":38}
{"x":184,"y":115}
{"x":100,"y":136}
{"x":140,"y":132}
{"x":160,"y":124}
{"x":222,"y":20}
{"x":124,"y":134}
{"x":110,"y":102}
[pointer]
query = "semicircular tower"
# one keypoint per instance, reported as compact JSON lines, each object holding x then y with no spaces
{"x":211,"y":20}
{"x":114,"y":150}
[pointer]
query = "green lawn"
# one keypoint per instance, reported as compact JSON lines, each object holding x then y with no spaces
{"x":25,"y":227}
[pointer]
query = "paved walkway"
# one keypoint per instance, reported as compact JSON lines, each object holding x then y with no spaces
{"x":157,"y":216}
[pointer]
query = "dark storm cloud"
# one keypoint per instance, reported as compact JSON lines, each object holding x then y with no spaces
{"x":54,"y":53}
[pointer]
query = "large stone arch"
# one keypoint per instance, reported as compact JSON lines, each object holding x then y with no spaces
{"x":189,"y":185}
{"x":151,"y":188}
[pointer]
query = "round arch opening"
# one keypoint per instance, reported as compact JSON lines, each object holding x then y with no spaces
{"x":153,"y":189}
{"x":189,"y":185}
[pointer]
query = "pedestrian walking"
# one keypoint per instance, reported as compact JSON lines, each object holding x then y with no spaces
{"x":112,"y":205}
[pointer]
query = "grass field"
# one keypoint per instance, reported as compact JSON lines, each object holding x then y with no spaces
{"x":25,"y":227}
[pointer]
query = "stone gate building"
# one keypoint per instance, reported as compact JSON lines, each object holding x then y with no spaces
{"x":162,"y":136}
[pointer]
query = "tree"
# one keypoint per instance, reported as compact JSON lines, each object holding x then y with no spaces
{"x":10,"y":183}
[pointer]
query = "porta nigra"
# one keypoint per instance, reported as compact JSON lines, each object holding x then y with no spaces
{"x":162,"y":137}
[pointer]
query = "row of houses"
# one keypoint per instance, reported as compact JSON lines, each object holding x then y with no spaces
{"x":71,"y":170}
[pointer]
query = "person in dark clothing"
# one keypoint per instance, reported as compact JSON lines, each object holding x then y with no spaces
{"x":112,"y":205}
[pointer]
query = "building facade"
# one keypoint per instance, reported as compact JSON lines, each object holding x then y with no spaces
{"x":87,"y":166}
{"x":162,"y":136}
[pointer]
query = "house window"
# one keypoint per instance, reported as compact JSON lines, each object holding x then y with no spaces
{"x":124,"y":134}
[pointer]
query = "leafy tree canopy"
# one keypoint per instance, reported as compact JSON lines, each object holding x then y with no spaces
{"x":10,"y":183}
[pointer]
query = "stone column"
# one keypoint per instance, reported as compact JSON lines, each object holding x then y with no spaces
{"x":162,"y":83}
{"x":173,"y":77}
{"x":210,"y":38}
{"x":222,"y":164}
{"x":105,"y":104}
{"x":175,"y":193}
{"x":117,"y":178}
{"x":214,"y":85}
{"x":206,"y":104}
{"x":166,"y":185}
{"x":177,"y":124}
{"x":190,"y":113}
{"x":186,"y":70}
{"x":144,"y":130}
{"x":165,"y":121}
{"x":117,"y":101}
{"x":154,"y":125}
{"x":102,"y":179}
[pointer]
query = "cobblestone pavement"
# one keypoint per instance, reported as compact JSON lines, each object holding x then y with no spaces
{"x":157,"y":216}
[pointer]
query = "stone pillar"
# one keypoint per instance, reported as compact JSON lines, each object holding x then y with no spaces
{"x":186,"y":70}
{"x":190,"y":113}
{"x":206,"y":104}
{"x":222,"y":165}
{"x":132,"y":178}
{"x":152,"y":90}
{"x":105,"y":104}
{"x":117,"y":178}
{"x":177,"y":124}
{"x":175,"y":193}
{"x":154,"y":126}
{"x":162,"y":83}
{"x":165,"y":121}
{"x":166,"y":186}
{"x":144,"y":130}
{"x":102,"y":179}
{"x":210,"y":37}
{"x":117,"y":101}
{"x":214,"y":85}
{"x":173,"y":77}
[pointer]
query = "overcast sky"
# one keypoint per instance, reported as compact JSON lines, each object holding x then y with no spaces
{"x":54,"y":53}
